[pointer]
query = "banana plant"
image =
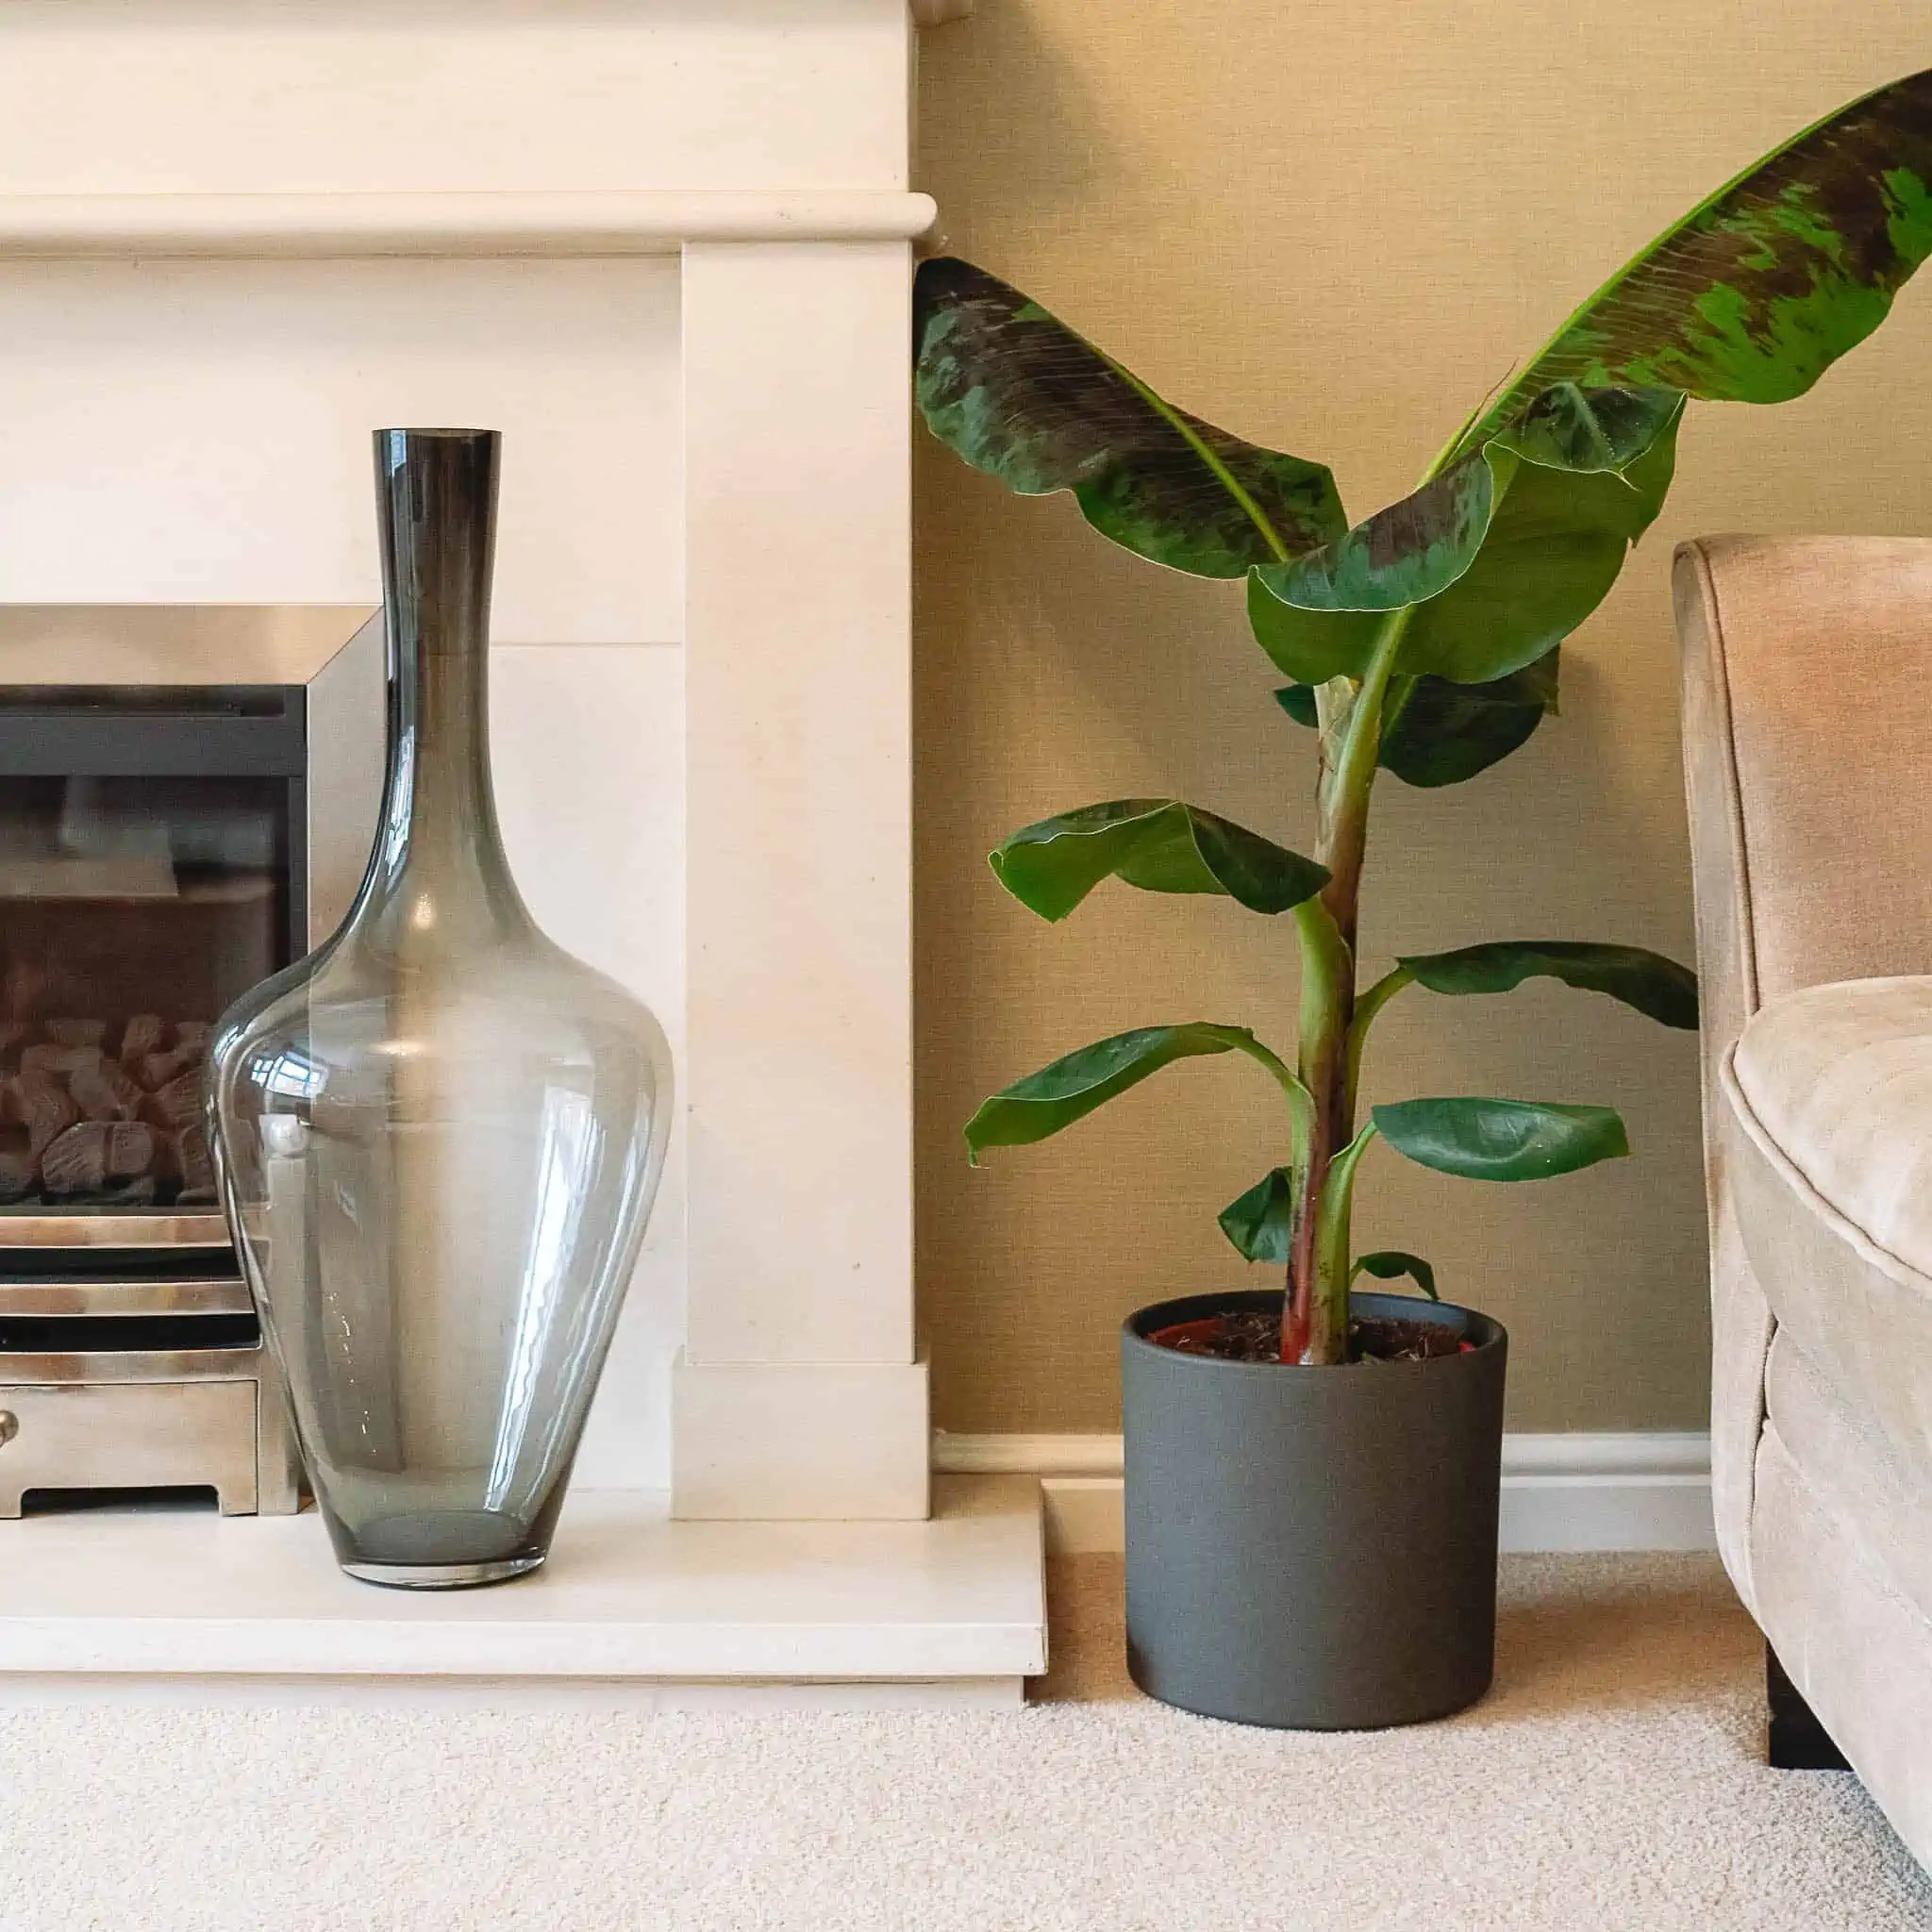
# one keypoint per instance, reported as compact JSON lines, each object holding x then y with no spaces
{"x":1424,"y":640}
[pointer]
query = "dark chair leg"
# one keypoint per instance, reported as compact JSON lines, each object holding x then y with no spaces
{"x":1798,"y":1740}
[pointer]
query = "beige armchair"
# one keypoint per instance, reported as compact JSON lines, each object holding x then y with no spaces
{"x":1808,"y":735}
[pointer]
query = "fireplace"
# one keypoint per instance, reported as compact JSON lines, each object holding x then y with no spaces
{"x":187,"y":799}
{"x":665,"y":248}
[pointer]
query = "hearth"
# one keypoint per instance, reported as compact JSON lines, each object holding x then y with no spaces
{"x":188,"y":798}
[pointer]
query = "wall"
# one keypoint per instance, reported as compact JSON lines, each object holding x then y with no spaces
{"x":1332,"y":229}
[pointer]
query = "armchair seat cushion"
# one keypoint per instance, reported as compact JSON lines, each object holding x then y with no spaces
{"x":1841,"y":1076}
{"x":1828,"y":1141}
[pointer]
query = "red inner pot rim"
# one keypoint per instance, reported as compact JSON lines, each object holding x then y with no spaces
{"x":1205,"y":1331}
{"x":1150,"y":1326}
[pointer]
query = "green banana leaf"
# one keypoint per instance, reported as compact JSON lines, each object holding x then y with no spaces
{"x":1500,"y":1139}
{"x":1439,"y":733}
{"x":1392,"y":1264}
{"x":1655,"y":986}
{"x":1260,"y":1224}
{"x":1017,"y":394}
{"x":1504,"y":554}
{"x":1158,"y":844}
{"x":1763,"y":286}
{"x":1080,"y":1082}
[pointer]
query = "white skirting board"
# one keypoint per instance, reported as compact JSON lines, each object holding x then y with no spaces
{"x":1647,"y":1489}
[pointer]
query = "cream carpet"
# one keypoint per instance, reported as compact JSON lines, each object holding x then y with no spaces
{"x":1611,"y":1783}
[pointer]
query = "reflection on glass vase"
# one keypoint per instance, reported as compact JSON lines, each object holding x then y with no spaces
{"x":438,"y":1136}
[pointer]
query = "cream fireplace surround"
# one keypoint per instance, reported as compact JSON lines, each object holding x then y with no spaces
{"x":664,"y":247}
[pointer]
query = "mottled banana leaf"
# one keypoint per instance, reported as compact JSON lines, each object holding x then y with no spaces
{"x":1439,"y":733}
{"x":1260,"y":1224}
{"x":1158,"y":844}
{"x":1509,"y":550}
{"x":1074,"y":1085}
{"x":1762,"y":287}
{"x":1018,"y":394}
{"x":1656,"y":987}
{"x":1392,"y":1264}
{"x":1500,"y":1139}
{"x":1405,"y":554}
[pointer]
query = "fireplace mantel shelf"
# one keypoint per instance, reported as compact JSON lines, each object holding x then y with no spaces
{"x":630,"y":1601}
{"x":325,"y":226}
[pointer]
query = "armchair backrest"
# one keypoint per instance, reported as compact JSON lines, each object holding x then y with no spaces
{"x":1807,"y":741}
{"x":1807,"y":759}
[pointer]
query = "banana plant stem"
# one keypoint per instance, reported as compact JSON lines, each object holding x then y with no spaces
{"x":1332,"y":1261}
{"x":1327,"y":978}
{"x":1346,"y":786}
{"x":1312,"y":1331}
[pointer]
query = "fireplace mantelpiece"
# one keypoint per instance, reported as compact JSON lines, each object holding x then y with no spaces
{"x":243,"y":215}
{"x":363,"y":223}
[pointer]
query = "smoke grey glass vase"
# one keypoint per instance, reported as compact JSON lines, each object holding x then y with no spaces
{"x":439,"y":1134}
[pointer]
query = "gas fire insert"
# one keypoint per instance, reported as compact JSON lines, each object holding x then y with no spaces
{"x":187,"y":799}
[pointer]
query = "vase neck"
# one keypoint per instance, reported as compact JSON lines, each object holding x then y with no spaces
{"x":439,"y":874}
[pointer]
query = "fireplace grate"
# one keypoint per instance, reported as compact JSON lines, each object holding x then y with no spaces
{"x":102,"y":1114}
{"x":43,"y":1335}
{"x":188,"y":798}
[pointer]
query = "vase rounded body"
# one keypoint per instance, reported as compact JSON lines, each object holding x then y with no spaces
{"x":438,"y":1136}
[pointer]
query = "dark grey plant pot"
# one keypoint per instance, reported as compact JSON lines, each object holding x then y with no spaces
{"x":1312,"y":1549}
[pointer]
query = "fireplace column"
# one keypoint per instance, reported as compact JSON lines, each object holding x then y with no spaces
{"x":801,"y":1392}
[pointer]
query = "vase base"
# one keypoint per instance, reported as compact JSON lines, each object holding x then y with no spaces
{"x":441,"y":1549}
{"x":443,"y":1575}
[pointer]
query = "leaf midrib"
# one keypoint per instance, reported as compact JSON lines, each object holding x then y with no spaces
{"x":1525,"y":386}
{"x":1226,"y":477}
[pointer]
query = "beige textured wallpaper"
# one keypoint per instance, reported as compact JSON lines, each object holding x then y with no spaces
{"x":1332,"y":228}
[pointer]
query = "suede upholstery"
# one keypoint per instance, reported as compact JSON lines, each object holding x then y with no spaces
{"x":1828,"y":1099}
{"x":1811,"y":840}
